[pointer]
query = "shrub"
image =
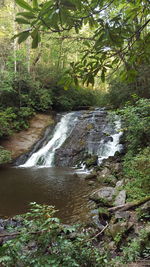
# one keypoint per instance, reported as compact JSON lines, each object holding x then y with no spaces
{"x":136,"y":123}
{"x":5,"y":156}
{"x":137,"y":171}
{"x":43,"y":241}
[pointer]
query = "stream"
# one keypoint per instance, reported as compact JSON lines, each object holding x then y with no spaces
{"x":47,"y":176}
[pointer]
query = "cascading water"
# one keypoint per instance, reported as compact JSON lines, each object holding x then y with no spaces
{"x":109,"y":148}
{"x":109,"y":144}
{"x":45,"y":156}
{"x":77,"y":134}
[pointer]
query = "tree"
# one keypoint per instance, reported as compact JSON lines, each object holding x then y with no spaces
{"x":120,"y":35}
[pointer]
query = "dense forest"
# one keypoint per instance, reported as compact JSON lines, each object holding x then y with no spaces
{"x":67,"y":55}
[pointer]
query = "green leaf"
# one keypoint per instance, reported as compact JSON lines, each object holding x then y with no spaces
{"x":36,"y":40}
{"x":24,"y":5}
{"x":22,"y":21}
{"x":28,"y":15}
{"x":35,"y":3}
{"x":23,"y":36}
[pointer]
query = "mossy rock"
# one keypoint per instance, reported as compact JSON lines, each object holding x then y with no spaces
{"x":101,"y":202}
{"x":110,"y":180}
{"x":91,"y":161}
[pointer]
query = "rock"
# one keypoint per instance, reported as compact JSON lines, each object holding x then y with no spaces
{"x":120,"y":183}
{"x":103,"y":174}
{"x":146,"y":207}
{"x":90,"y":176}
{"x":120,"y":198}
{"x":91,"y":183}
{"x":108,"y":138}
{"x":91,"y":161}
{"x":117,"y":167}
{"x":122,"y":215}
{"x":118,"y":229}
{"x":103,"y":196}
{"x":110,"y":180}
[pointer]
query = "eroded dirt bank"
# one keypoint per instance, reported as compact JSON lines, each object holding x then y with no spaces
{"x":21,"y":142}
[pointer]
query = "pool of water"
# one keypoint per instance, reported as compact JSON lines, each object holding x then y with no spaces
{"x":53,"y":186}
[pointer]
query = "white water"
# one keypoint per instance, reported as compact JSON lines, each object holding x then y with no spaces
{"x":45,"y":156}
{"x":96,"y":145}
{"x":108,"y":149}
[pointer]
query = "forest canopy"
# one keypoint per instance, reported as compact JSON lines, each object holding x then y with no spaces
{"x":119,"y":33}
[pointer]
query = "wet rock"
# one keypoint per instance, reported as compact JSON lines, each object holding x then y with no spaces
{"x":91,"y":176}
{"x":120,"y":198}
{"x":108,"y":138}
{"x":91,"y":161}
{"x":87,"y":132}
{"x":91,"y":183}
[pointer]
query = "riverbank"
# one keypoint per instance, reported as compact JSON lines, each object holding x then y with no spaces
{"x":21,"y":142}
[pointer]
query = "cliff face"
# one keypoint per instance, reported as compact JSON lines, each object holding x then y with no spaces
{"x":21,"y":142}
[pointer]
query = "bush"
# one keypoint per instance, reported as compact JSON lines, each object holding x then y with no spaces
{"x":5,"y":156}
{"x":136,"y":123}
{"x":14,"y":119}
{"x":137,"y":171}
{"x":43,"y":241}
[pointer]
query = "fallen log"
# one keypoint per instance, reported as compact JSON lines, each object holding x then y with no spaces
{"x":130,"y":205}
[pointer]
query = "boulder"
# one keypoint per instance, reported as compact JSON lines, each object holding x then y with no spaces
{"x":118,"y":229}
{"x":120,"y":198}
{"x":103,"y":196}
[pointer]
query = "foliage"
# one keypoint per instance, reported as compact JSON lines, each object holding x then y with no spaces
{"x":43,"y":241}
{"x":137,"y":172}
{"x":120,"y":32}
{"x":139,"y":247}
{"x":5,"y":155}
{"x":120,"y":92}
{"x":136,"y":122}
{"x":13,"y":119}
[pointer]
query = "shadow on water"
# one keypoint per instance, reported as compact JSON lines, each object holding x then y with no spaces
{"x":53,"y":186}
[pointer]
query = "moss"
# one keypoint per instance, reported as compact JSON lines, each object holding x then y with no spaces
{"x":91,"y":161}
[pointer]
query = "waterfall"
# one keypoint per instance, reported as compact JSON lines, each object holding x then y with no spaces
{"x":89,"y":132}
{"x":45,"y":156}
{"x":109,"y":148}
{"x":109,"y":143}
